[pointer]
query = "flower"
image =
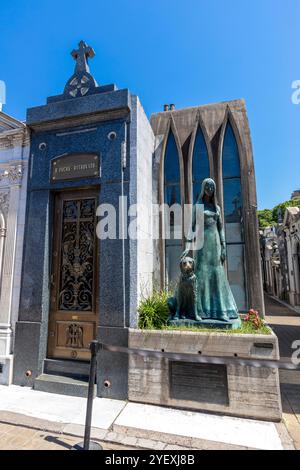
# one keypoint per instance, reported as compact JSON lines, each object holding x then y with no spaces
{"x":254,"y":318}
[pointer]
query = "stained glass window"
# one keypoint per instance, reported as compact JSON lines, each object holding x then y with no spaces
{"x":233,"y":215}
{"x":200,"y":163}
{"x":172,"y":195}
{"x":230,"y":154}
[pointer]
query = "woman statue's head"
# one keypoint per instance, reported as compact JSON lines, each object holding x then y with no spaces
{"x":208,"y":191}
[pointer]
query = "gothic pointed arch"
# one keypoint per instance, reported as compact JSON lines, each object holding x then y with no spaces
{"x":200,"y":159}
{"x":232,"y":205}
{"x":171,"y":192}
{"x":231,"y":177}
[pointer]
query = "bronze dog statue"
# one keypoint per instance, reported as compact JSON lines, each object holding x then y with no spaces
{"x":183,"y":305}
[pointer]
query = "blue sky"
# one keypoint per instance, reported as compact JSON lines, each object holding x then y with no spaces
{"x":187,"y":52}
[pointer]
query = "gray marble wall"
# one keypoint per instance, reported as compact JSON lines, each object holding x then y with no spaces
{"x":136,"y":271}
{"x":84,"y":125}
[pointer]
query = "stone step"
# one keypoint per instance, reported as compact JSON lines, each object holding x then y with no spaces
{"x":67,"y":368}
{"x":62,"y":385}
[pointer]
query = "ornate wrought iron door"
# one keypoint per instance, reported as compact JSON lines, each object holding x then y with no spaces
{"x":74,"y":303}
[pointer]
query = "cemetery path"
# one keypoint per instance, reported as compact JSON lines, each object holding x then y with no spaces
{"x":23,"y":432}
{"x":286,"y":324}
{"x":20,"y":432}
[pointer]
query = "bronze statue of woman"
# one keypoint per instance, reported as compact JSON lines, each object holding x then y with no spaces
{"x":214,"y":299}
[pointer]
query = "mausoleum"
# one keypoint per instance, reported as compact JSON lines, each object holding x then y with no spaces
{"x":192,"y":144}
{"x":94,"y":147}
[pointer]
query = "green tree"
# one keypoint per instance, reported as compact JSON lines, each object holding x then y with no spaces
{"x":282,"y":206}
{"x":265,"y":218}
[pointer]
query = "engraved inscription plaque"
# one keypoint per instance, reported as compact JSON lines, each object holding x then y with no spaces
{"x":199,"y":382}
{"x":83,"y":165}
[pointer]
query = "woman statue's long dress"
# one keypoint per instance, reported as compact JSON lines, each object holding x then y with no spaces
{"x":214,"y":299}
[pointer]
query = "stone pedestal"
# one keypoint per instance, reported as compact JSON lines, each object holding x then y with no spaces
{"x":235,"y":390}
{"x":209,"y":323}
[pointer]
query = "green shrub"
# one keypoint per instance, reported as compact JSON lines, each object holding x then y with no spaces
{"x":153,"y":311}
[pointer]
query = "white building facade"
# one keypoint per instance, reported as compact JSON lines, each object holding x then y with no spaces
{"x":280,"y":255}
{"x":291,"y":226}
{"x":270,"y":261}
{"x":14,"y":153}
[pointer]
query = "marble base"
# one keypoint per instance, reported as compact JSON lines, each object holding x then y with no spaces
{"x":208,"y":323}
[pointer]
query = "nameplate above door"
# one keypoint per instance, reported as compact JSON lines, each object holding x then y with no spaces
{"x":80,"y":165}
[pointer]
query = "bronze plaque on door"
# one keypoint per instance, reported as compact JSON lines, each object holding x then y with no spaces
{"x":81,"y":165}
{"x":74,"y":304}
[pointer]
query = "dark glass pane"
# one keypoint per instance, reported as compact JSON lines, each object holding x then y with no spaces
{"x":172,"y":169}
{"x":196,"y":189}
{"x":230,"y":154}
{"x":173,"y":253}
{"x":172,"y":194}
{"x":236,"y":274}
{"x":200,"y":163}
{"x":234,"y":233}
{"x":232,"y":200}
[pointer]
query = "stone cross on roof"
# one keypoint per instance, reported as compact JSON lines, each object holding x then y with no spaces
{"x":81,"y":56}
{"x":81,"y":82}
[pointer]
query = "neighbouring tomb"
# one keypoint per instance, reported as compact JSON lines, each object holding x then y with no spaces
{"x":14,"y":153}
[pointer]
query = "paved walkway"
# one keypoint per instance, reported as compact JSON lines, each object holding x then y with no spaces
{"x":127,"y":424}
{"x":286,"y":324}
{"x":19,"y":432}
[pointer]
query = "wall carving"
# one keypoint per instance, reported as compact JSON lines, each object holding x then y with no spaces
{"x":4,"y":203}
{"x":14,"y":174}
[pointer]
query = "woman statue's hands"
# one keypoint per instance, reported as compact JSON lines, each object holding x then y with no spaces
{"x":223,"y":252}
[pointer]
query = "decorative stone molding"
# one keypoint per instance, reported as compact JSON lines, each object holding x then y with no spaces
{"x":6,"y":142}
{"x":14,"y":174}
{"x":4,"y":202}
{"x":14,"y":138}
